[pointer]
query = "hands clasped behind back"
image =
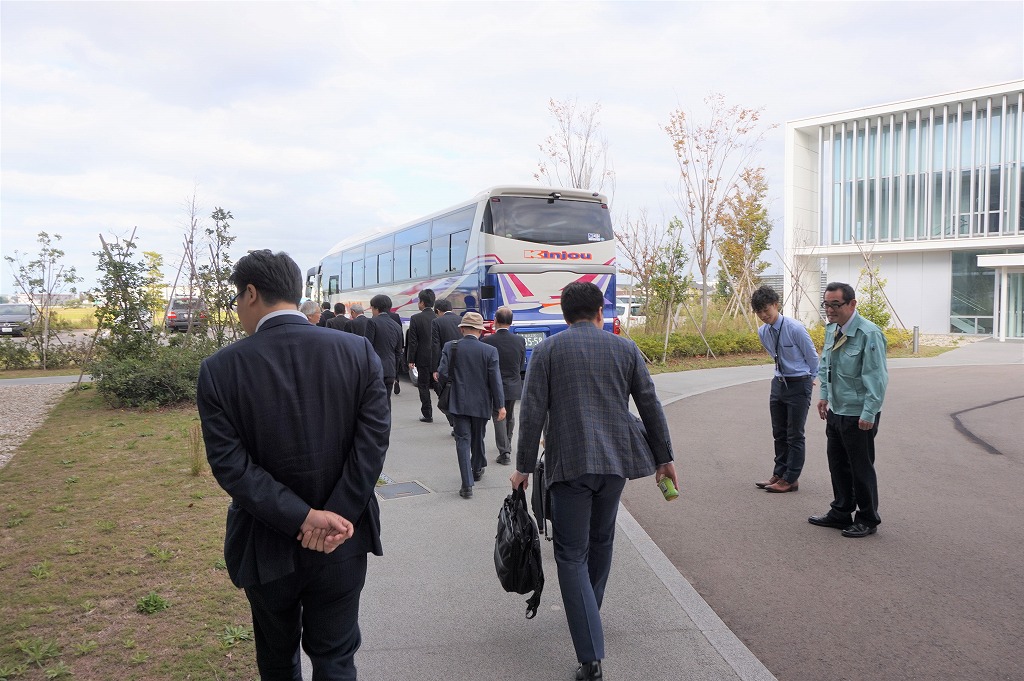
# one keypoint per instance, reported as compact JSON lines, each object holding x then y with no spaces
{"x":324,"y":531}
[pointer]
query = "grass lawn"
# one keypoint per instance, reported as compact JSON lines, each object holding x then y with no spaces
{"x":101,"y":512}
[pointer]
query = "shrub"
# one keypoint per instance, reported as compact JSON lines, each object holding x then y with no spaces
{"x":817,"y":335}
{"x":168,"y":376}
{"x":692,"y":345}
{"x":15,"y":355}
{"x":899,"y":338}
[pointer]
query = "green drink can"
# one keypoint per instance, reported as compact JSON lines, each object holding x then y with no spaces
{"x":668,"y":489}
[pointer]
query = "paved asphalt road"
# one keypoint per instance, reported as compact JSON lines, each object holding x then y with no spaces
{"x":938,"y":593}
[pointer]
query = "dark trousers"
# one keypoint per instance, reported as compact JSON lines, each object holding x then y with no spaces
{"x":389,"y":386}
{"x":424,"y":383}
{"x":503,"y":429}
{"x":583,"y":516}
{"x":469,"y":445}
{"x":851,"y":461}
{"x":788,"y":405}
{"x":320,"y":606}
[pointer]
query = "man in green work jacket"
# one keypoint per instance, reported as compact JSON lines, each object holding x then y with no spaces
{"x":853,"y":378}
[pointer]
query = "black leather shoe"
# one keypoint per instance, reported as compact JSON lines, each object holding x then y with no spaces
{"x":398,"y":388}
{"x":426,"y":419}
{"x":589,"y":670}
{"x":478,"y":473}
{"x":466,"y":492}
{"x":503,"y":459}
{"x":826,"y":520}
{"x":858,"y":530}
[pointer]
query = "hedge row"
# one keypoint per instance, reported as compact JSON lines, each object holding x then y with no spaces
{"x":692,"y":345}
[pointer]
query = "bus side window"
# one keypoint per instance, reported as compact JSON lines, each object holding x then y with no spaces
{"x":460,"y":246}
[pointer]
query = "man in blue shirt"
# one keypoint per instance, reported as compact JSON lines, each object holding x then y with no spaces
{"x":796,"y":363}
{"x":853,"y":377}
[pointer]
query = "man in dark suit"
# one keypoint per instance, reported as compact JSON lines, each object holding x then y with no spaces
{"x":326,"y":315}
{"x":358,"y":321}
{"x":419,"y":354}
{"x":579,"y":381}
{"x":401,"y":327}
{"x":476,"y":396}
{"x":339,"y":322}
{"x":512,"y":362}
{"x":299,"y":446}
{"x":444,"y":328}
{"x":386,"y":337}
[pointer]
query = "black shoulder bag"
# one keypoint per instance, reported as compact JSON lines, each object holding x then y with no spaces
{"x":445,"y":396}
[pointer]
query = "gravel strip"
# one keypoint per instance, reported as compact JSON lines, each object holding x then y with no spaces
{"x":23,"y":408}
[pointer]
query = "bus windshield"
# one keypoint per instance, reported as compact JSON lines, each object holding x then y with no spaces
{"x":539,"y":220}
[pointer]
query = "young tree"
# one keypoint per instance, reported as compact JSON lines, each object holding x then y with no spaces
{"x":746,"y":230}
{"x":712,"y":157}
{"x":43,"y":280}
{"x":213,"y":277}
{"x":576,"y":154}
{"x":871,"y":301}
{"x":126,"y":295}
{"x":642,"y":241}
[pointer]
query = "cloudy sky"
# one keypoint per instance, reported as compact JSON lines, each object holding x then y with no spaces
{"x":311,"y":122}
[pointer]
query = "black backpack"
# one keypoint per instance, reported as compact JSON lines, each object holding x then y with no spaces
{"x":517,"y":551}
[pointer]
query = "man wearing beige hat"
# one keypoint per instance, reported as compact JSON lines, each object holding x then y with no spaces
{"x":476,"y":396}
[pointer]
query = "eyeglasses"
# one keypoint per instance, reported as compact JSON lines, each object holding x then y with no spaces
{"x":833,"y":305}
{"x":233,"y":303}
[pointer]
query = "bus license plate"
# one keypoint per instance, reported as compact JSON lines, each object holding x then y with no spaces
{"x":533,"y":339}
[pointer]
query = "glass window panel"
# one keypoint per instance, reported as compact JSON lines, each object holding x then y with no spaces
{"x":440,"y":255}
{"x":872,"y":151}
{"x":454,"y":222}
{"x":936,"y":204}
{"x":413,"y":235}
{"x":951,"y":142}
{"x":1013,"y":149}
{"x":460,"y":247}
{"x":357,"y":274}
{"x":871,"y":211}
{"x":894,"y":233}
{"x":380,"y":245}
{"x":886,"y":157}
{"x":898,"y":153}
{"x":837,"y":152}
{"x":883,"y":227}
{"x":977,"y":202}
{"x":403,"y":267}
{"x":858,"y":212}
{"x":331,"y":267}
{"x":837,"y":218}
{"x":861,"y":152}
{"x":370,"y":271}
{"x":420,"y":260}
{"x":922,"y":205}
{"x":848,"y":161}
{"x":911,"y":147}
{"x":352,"y":254}
{"x":994,"y":213}
{"x":384,"y":261}
{"x":973,"y":287}
{"x":996,"y":128}
{"x":966,"y":140}
{"x":979,"y":145}
{"x":908,"y":208}
{"x":922,"y":147}
{"x":951,"y":218}
{"x":937,"y":146}
{"x":346,"y":276}
{"x":847,"y":211}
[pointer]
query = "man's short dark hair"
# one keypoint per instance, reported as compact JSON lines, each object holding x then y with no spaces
{"x":427,"y":297}
{"x":388,"y":303}
{"x":503,"y":316}
{"x":848,"y":292}
{"x":339,"y":308}
{"x":581,"y":301}
{"x":763,"y":297}
{"x":443,"y":305}
{"x":325,"y":305}
{"x":275,"y":276}
{"x":380,"y":303}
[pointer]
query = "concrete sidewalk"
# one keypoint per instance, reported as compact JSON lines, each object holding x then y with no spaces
{"x":433,"y":609}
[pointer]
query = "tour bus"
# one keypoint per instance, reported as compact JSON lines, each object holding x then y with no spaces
{"x":509,"y":246}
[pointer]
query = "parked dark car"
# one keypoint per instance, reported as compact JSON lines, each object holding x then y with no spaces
{"x":185,"y":313}
{"x":16,"y":318}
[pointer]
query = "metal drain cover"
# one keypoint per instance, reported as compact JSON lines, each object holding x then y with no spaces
{"x":397,"y":490}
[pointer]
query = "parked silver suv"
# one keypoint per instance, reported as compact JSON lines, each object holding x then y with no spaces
{"x":16,"y":318}
{"x":185,"y":313}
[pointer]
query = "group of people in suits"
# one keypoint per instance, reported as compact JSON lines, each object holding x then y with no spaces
{"x":304,"y":515}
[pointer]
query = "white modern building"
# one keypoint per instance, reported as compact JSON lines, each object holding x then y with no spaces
{"x":930,"y":191}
